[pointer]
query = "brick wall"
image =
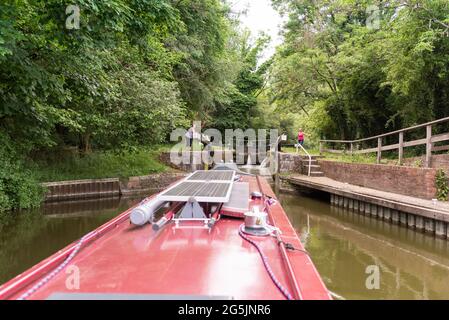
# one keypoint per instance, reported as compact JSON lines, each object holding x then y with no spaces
{"x":417,"y":182}
{"x":186,"y":166}
{"x":290,"y":163}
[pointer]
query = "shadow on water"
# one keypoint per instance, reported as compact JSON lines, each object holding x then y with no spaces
{"x":343,"y":244}
{"x":28,"y":237}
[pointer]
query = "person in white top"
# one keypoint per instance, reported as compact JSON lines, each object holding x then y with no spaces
{"x":190,"y":135}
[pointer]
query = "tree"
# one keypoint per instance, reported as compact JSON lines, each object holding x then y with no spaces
{"x":239,"y":106}
{"x":133,"y":71}
{"x":367,"y":79}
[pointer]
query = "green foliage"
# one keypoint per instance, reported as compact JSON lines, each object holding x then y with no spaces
{"x":101,"y":164}
{"x":366,"y":80}
{"x":418,"y":163}
{"x":238,"y":105}
{"x":442,"y":185}
{"x":130,"y":65}
{"x":203,"y":70}
{"x":18,"y":185}
{"x":131,"y":73}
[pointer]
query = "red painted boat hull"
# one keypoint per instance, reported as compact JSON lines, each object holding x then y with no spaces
{"x":124,"y":260}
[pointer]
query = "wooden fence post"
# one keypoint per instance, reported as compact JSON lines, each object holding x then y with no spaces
{"x":401,"y":148}
{"x":379,"y":150}
{"x":428,"y":146}
{"x":358,"y":146}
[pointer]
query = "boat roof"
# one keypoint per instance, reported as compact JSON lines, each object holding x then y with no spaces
{"x":121,"y":261}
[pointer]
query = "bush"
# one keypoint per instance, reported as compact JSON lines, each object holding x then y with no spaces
{"x":441,"y":183}
{"x":23,"y":190}
{"x":19,"y":189}
{"x":5,"y":204}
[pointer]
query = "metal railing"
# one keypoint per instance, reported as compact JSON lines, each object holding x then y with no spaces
{"x":308,"y":155}
{"x":429,"y":141}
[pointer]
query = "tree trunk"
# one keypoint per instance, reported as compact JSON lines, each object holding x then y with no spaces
{"x":85,"y":143}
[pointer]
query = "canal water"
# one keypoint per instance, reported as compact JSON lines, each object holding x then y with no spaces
{"x":349,"y":250}
{"x":360,"y":257}
{"x":28,"y":237}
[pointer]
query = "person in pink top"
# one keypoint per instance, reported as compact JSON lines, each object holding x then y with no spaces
{"x":301,"y":137}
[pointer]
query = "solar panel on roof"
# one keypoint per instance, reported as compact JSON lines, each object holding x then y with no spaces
{"x":217,"y":192}
{"x":192,"y":189}
{"x":212,"y":175}
{"x":204,"y":186}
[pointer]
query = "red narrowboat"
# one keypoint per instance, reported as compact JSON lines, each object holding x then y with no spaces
{"x":218,"y":234}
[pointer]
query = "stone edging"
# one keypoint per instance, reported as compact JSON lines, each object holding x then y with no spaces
{"x":112,"y":187}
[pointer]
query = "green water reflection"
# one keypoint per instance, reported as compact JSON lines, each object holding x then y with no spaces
{"x":343,"y":244}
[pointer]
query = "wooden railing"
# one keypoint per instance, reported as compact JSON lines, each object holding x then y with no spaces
{"x":429,"y":141}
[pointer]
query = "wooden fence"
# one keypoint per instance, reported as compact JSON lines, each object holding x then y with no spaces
{"x":352,"y":147}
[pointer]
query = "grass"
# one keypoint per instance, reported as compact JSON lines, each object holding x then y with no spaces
{"x":356,"y":158}
{"x":99,"y":165}
{"x":369,"y":158}
{"x":388,"y":157}
{"x":313,"y":152}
